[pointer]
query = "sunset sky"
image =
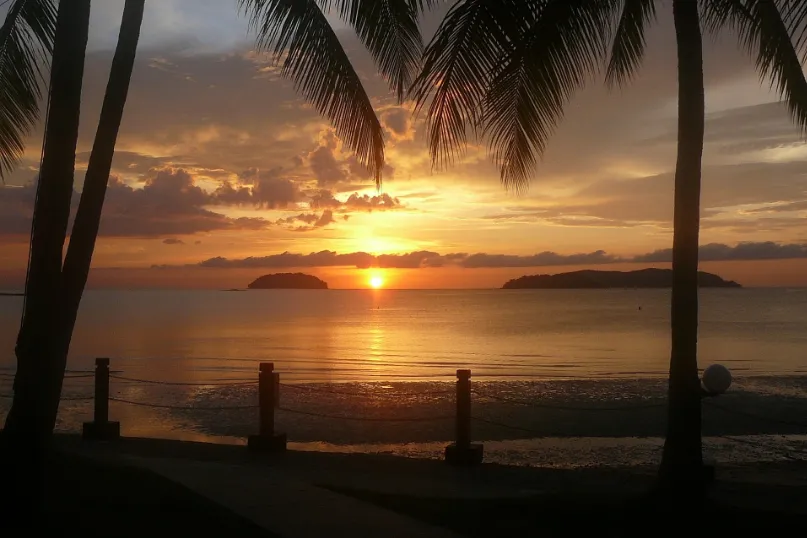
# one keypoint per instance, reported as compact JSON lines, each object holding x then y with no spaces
{"x":222,"y":174}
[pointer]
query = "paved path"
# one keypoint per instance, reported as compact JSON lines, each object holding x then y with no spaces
{"x":285,"y":505}
{"x":289,"y":495}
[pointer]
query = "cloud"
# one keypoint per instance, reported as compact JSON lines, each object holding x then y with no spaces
{"x":370,"y":203}
{"x":263,"y":189}
{"x":766,"y":250}
{"x":427,"y":259}
{"x":173,"y":241}
{"x":398,"y":123}
{"x":543,"y":259}
{"x":327,"y":168}
{"x":311,"y":221}
{"x":325,"y":199}
{"x":168,"y":204}
{"x":16,"y":207}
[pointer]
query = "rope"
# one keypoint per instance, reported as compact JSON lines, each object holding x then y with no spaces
{"x":758,"y":417}
{"x":565,"y":407}
{"x":762,"y":447}
{"x":345,"y":393}
{"x":181,"y":384}
{"x":184,"y":408}
{"x":64,"y":399}
{"x":507,"y":426}
{"x":4,"y":375}
{"x":365,"y":419}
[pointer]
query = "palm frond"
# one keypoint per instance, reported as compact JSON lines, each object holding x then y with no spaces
{"x":456,"y":71}
{"x":299,"y":36}
{"x":565,"y":44}
{"x":795,"y":15}
{"x":390,"y":31}
{"x":627,"y":50}
{"x":26,"y":43}
{"x":768,"y":33}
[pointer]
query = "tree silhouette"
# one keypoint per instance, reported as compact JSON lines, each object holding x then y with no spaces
{"x":505,"y":69}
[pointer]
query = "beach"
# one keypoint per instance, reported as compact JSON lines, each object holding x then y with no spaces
{"x":561,"y":378}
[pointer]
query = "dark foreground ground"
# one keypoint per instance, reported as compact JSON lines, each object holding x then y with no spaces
{"x":90,"y":498}
{"x":573,"y":515}
{"x":92,"y":494}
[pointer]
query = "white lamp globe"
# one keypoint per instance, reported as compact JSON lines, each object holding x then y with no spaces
{"x":716,"y":379}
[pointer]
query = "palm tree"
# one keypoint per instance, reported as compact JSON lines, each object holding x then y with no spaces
{"x":53,"y":290}
{"x":507,"y":68}
{"x":298,"y":34}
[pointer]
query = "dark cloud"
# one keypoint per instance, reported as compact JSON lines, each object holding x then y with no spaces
{"x":173,"y":241}
{"x":398,"y":123}
{"x":411,"y":260}
{"x":767,"y":250}
{"x":310,"y":221}
{"x":228,"y":194}
{"x":742,"y":129}
{"x":424,"y":259}
{"x":325,"y":199}
{"x":538,"y":260}
{"x":787,"y":207}
{"x":168,"y":204}
{"x":274,"y":193}
{"x":16,"y":207}
{"x":326,"y":167}
{"x":370,"y":203}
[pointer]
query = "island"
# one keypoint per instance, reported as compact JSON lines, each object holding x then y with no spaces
{"x":288,"y":281}
{"x":589,"y":279}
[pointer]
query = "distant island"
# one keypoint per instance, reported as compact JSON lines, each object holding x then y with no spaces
{"x":644,"y":278}
{"x":288,"y":281}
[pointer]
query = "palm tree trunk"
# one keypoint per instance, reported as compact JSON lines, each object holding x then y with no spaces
{"x":682,"y":460}
{"x":88,"y":218}
{"x":37,"y":386}
{"x":40,"y":368}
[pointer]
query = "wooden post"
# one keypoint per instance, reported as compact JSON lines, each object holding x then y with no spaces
{"x":462,"y":451}
{"x":266,"y":399}
{"x":101,"y":399}
{"x":101,"y":429}
{"x":463,"y":408}
{"x":276,"y":389}
{"x":267,"y":440}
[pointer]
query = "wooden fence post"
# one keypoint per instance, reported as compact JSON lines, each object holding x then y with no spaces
{"x":462,"y":451}
{"x":101,"y":429}
{"x":268,"y":393}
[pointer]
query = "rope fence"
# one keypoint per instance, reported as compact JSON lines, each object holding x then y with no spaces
{"x":758,"y":417}
{"x":359,"y":394}
{"x":233,"y":383}
{"x":539,"y":405}
{"x":185,"y":407}
{"x":462,"y":451}
{"x":366,"y":419}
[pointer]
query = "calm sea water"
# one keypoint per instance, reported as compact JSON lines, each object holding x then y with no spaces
{"x":354,"y":355}
{"x":369,"y":335}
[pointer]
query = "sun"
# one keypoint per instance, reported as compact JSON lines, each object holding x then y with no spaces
{"x":376,"y":282}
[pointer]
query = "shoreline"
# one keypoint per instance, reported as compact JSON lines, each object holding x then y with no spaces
{"x":362,"y":471}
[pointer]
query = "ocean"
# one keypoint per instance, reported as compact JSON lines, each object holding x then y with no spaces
{"x":563,"y":377}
